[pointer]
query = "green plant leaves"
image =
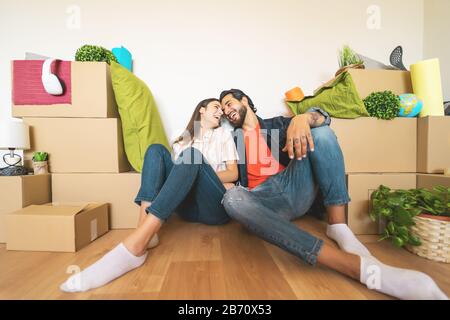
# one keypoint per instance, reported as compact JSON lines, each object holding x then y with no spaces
{"x":348,"y":57}
{"x":399,"y":208}
{"x":94,"y":53}
{"x":383,"y":105}
{"x":40,"y":156}
{"x":398,"y":242}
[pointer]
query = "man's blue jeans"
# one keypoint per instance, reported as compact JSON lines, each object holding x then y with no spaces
{"x":192,"y":189}
{"x":268,"y":209}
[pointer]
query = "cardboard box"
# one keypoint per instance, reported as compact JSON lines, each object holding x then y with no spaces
{"x":78,"y":145}
{"x":56,"y":227}
{"x":360,"y":188}
{"x":433,"y":144}
{"x":370,"y":145}
{"x":368,"y":81}
{"x":372,"y":80}
{"x":119,"y":190}
{"x":91,"y":91}
{"x":19,"y":192}
{"x":428,"y":181}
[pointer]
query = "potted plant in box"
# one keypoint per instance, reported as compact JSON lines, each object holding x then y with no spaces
{"x":348,"y":59}
{"x":40,"y":162}
{"x":417,"y":219}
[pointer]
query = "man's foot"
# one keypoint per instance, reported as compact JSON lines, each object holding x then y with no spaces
{"x":400,"y":283}
{"x":112,"y":265}
{"x":346,"y":240}
{"x":153,"y":242}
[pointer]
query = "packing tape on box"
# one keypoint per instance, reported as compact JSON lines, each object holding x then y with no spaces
{"x":427,"y":85}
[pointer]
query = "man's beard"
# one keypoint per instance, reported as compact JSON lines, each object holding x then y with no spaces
{"x":242,"y":114}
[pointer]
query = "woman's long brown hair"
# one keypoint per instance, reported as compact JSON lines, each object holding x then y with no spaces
{"x":188,"y":134}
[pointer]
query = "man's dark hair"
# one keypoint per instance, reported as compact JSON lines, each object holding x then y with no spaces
{"x":238,"y":94}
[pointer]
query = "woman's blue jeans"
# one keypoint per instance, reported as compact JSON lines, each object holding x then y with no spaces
{"x":268,"y":209}
{"x":191,"y":189}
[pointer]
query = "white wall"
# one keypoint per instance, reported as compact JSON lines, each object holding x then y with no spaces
{"x":436,"y":39}
{"x":189,"y":50}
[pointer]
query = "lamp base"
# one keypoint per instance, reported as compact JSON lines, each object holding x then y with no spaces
{"x":14,"y":171}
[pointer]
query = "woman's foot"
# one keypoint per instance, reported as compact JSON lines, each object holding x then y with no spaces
{"x":111,"y":266}
{"x":400,"y":283}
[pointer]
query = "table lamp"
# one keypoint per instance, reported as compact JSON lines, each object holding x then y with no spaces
{"x":13,"y":135}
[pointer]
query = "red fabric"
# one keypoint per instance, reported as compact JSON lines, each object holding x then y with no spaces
{"x":27,"y":84}
{"x":261,"y":164}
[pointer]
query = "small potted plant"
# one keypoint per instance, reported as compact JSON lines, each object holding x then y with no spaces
{"x":418,"y":219}
{"x":40,"y":162}
{"x":94,"y":53}
{"x":349,"y":59}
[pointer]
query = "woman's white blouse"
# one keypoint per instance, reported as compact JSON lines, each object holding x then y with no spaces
{"x":217,"y":146}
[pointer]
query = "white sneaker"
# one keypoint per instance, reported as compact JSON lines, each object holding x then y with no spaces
{"x":153,"y":242}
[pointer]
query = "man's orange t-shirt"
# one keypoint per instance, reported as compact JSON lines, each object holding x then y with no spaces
{"x":261,"y":164}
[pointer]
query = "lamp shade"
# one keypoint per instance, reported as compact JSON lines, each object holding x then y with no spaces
{"x":14,"y":134}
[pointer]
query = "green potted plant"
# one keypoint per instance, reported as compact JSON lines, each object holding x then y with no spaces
{"x":417,"y":219}
{"x":349,"y":59}
{"x":94,"y":53}
{"x":40,"y":162}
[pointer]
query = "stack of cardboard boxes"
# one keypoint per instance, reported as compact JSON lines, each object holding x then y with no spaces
{"x":86,"y":152}
{"x":391,"y":153}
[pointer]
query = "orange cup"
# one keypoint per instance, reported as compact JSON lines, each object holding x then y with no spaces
{"x":295,"y":94}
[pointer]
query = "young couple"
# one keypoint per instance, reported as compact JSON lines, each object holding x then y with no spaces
{"x":273,"y":172}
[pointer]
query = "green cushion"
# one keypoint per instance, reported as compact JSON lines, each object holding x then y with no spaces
{"x":339,"y":98}
{"x":141,"y":123}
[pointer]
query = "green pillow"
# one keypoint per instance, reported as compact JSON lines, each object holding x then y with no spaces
{"x":339,"y":98}
{"x":141,"y":123}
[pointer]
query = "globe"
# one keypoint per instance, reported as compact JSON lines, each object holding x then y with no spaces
{"x":410,"y":105}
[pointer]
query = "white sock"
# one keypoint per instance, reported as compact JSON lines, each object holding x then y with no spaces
{"x":153,"y":242}
{"x":111,"y":266}
{"x":346,"y":240}
{"x":400,"y":283}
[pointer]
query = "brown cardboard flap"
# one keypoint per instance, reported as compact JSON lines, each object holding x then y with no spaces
{"x":52,"y":210}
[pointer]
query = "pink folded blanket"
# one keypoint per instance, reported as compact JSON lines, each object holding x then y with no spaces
{"x":27,"y":88}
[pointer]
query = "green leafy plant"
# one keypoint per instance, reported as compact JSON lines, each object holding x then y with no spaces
{"x":348,"y":57}
{"x":40,"y":156}
{"x":399,"y":208}
{"x":435,"y":202}
{"x":383,"y":105}
{"x":94,"y":53}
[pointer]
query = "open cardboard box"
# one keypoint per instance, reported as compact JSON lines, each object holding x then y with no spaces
{"x":117,"y":189}
{"x":59,"y":227}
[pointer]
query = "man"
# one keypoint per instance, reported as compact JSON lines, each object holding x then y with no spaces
{"x":285,"y":164}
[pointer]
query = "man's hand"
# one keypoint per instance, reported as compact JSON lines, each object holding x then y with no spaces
{"x":299,"y":137}
{"x":229,"y":186}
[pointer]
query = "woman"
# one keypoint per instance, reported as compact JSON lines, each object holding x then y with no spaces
{"x":205,"y":161}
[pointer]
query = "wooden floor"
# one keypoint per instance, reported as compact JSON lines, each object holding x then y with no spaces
{"x":200,"y":262}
